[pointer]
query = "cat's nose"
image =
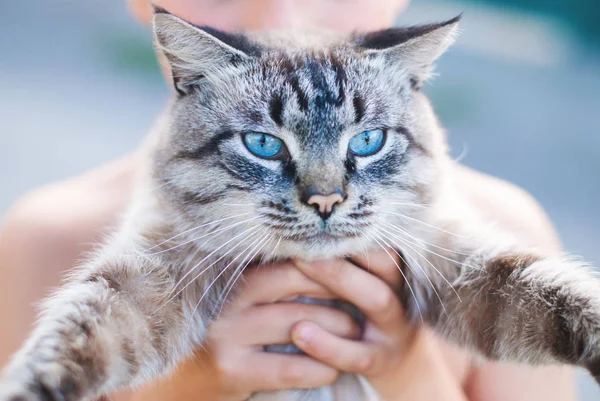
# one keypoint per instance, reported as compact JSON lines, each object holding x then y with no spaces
{"x":324,"y":204}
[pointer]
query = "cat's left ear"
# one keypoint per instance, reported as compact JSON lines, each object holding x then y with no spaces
{"x":195,"y":53}
{"x":413,"y":49}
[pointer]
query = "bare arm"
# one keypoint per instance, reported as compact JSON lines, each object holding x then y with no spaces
{"x":48,"y":232}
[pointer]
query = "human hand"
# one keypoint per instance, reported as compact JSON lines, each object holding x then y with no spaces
{"x":400,"y":360}
{"x":232,"y":364}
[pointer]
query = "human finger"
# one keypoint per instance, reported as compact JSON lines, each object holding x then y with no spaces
{"x":343,"y":354}
{"x":275,"y":282}
{"x":383,"y":263}
{"x":369,"y":293}
{"x":271,"y":324}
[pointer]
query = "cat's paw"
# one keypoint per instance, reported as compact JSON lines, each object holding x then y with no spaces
{"x":16,"y":392}
{"x":32,"y":391}
{"x":54,"y":383}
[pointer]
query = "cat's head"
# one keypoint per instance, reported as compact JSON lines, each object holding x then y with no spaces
{"x":310,"y":140}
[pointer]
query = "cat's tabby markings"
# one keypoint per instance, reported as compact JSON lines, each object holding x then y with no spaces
{"x":208,"y":204}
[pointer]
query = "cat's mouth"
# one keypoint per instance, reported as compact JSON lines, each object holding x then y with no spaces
{"x":322,"y":244}
{"x":313,"y":233}
{"x":324,"y":237}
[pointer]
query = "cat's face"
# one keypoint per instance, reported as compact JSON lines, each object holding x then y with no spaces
{"x":310,"y":144}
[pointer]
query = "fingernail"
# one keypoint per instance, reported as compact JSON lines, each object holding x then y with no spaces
{"x":304,"y":335}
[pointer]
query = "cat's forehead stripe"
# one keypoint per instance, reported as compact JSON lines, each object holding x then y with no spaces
{"x":325,"y":92}
{"x":276,"y":109}
{"x":359,"y":108}
{"x":310,"y":80}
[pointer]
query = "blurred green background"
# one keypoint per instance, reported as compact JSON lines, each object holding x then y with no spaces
{"x":580,"y":15}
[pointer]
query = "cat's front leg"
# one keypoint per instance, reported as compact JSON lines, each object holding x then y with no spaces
{"x":522,"y":306}
{"x":108,"y":328}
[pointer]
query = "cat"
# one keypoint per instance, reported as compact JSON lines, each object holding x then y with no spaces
{"x":298,"y":144}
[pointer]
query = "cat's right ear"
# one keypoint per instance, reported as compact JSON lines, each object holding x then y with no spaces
{"x":412,"y":50}
{"x":195,"y":53}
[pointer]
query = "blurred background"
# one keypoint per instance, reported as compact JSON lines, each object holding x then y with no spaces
{"x":519,"y":95}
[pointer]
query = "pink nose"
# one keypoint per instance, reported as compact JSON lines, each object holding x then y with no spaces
{"x":325,"y":203}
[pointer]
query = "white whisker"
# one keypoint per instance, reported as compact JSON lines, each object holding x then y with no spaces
{"x":190,"y":271}
{"x":426,"y":224}
{"x":420,"y":268}
{"x":408,"y":204}
{"x":272,"y":256}
{"x":426,"y":260}
{"x":206,"y":235}
{"x":365,"y":252}
{"x":422,"y":241}
{"x":238,"y":273}
{"x":196,"y":228}
{"x":453,"y":261}
{"x":219,"y":275}
{"x":238,"y":270}
{"x":262,"y":257}
{"x":403,"y":275}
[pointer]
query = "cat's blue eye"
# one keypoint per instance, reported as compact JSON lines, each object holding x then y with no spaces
{"x":263,"y":145}
{"x":367,"y":143}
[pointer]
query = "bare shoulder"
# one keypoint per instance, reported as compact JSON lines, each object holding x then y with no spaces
{"x":507,"y":205}
{"x":65,"y":217}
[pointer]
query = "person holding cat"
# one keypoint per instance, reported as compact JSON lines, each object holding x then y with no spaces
{"x":398,"y":361}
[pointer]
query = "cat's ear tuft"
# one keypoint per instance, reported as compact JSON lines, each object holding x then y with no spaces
{"x":194,"y":52}
{"x":414,"y":49}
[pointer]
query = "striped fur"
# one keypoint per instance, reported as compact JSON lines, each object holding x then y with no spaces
{"x":205,"y":208}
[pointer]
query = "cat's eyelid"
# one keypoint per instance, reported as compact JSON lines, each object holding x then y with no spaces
{"x":357,"y":130}
{"x":251,"y":131}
